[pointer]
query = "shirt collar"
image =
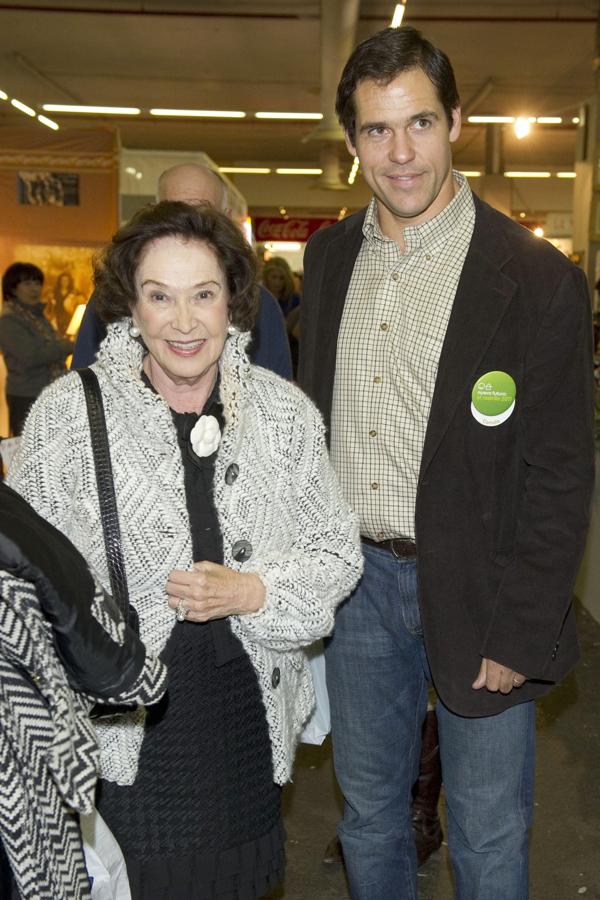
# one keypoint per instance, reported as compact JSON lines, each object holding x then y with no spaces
{"x":431,"y":234}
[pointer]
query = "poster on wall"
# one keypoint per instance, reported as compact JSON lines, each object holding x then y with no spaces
{"x":48,"y":188}
{"x":67,"y":278}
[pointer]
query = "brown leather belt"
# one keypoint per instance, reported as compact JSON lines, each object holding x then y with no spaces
{"x":401,"y":548}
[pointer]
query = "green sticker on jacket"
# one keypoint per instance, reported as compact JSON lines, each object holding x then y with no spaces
{"x":493,"y":398}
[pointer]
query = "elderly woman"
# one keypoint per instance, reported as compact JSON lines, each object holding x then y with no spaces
{"x":33,"y":351}
{"x":237,"y":548}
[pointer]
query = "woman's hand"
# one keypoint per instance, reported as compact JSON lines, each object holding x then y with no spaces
{"x":211,"y":591}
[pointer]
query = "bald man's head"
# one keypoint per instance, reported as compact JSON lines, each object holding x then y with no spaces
{"x":193,"y":183}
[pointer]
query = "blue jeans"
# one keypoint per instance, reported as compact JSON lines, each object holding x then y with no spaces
{"x":377,"y":677}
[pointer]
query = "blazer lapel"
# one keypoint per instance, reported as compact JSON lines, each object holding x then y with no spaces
{"x":338,"y":266}
{"x":482,"y":297}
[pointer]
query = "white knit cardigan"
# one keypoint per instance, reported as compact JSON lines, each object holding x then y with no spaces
{"x":285,"y":502}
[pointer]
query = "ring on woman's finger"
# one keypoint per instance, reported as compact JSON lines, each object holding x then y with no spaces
{"x":181,"y":612}
{"x":517,"y":682}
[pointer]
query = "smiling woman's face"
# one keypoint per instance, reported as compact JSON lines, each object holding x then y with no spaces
{"x":182,"y":308}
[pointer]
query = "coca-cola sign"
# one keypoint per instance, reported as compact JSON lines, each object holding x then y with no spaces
{"x":267,"y":228}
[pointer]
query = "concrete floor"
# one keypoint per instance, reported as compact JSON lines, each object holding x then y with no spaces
{"x":565,"y":841}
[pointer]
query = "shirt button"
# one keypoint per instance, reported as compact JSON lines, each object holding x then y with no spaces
{"x":275,"y":677}
{"x":395,"y":276}
{"x":384,"y":326}
{"x":241,"y":551}
{"x":372,"y":433}
{"x":380,"y":535}
{"x":377,"y":379}
{"x":375,"y":485}
{"x":428,"y":256}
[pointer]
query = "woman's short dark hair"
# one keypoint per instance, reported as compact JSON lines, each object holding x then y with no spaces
{"x":115,"y":268}
{"x":386,"y":55}
{"x":17,"y":273}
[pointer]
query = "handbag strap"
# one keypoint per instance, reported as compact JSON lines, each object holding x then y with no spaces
{"x":106,"y":490}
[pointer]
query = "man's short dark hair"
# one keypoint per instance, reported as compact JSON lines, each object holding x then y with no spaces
{"x":15,"y":274}
{"x":382,"y":58}
{"x":115,"y":268}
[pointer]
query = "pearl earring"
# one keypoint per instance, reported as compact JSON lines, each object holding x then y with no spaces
{"x":134,"y":331}
{"x":232,"y":330}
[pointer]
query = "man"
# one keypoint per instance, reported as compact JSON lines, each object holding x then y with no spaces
{"x":195,"y":183}
{"x":449,"y":351}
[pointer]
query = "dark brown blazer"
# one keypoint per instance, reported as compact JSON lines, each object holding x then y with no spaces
{"x":501,"y":512}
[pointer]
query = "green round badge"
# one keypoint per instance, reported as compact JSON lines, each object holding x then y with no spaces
{"x":493,"y":398}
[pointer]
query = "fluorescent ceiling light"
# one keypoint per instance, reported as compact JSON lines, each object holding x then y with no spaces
{"x":244,"y":170}
{"x":527,"y":174}
{"x":97,"y":110}
{"x":3,"y":95}
{"x":469,"y":174}
{"x":549,"y":120}
{"x":565,"y":174}
{"x":200,"y":113}
{"x":299,"y":171}
{"x":48,"y":122}
{"x":288,"y":115}
{"x":23,"y":107}
{"x":485,"y":120}
{"x":398,"y":14}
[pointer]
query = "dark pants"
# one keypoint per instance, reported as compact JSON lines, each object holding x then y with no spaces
{"x":18,"y":407}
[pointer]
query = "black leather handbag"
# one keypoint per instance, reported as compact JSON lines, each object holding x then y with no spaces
{"x":109,"y":516}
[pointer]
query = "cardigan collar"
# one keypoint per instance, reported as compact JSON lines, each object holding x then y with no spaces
{"x":120,"y":360}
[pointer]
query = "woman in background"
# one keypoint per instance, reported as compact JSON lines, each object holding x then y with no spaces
{"x":34,"y":353}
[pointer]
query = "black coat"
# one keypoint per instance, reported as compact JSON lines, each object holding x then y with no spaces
{"x":501,"y":512}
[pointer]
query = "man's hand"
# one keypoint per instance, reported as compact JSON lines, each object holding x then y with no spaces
{"x":495,"y":677}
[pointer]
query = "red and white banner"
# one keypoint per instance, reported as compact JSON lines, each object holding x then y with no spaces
{"x":268,"y":228}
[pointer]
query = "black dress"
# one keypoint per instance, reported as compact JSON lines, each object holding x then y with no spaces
{"x":202,"y":820}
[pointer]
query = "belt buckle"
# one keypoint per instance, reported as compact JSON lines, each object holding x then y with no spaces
{"x":399,"y":547}
{"x":393,"y":543}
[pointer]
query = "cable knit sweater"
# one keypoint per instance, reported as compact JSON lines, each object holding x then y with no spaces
{"x":283,"y":499}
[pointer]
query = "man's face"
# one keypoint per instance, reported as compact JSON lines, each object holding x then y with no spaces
{"x":403,"y":142}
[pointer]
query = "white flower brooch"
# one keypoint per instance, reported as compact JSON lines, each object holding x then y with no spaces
{"x":205,"y":436}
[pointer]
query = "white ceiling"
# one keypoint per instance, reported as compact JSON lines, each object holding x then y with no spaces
{"x":534,"y":58}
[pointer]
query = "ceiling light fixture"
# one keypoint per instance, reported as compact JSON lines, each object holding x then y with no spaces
{"x":200,"y":113}
{"x":522,"y":127}
{"x":527,"y":174}
{"x":575,"y":120}
{"x":566,"y":174}
{"x":299,"y":171}
{"x":549,"y":120}
{"x":288,"y":115}
{"x":3,"y":95}
{"x":23,"y":107}
{"x":470,"y":173}
{"x":49,"y":123}
{"x":244,"y":170}
{"x":94,"y":110}
{"x":491,"y":120}
{"x":398,"y":14}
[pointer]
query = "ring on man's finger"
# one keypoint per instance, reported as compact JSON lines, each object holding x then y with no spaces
{"x":517,"y":682}
{"x":181,"y":612}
